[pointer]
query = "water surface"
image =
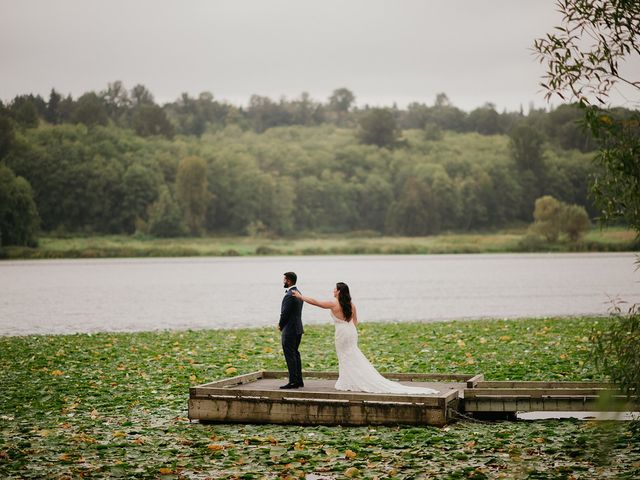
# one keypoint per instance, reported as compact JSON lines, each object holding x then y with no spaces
{"x":65,"y":296}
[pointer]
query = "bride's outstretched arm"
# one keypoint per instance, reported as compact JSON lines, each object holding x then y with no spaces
{"x":313,"y":301}
{"x":354,"y":314}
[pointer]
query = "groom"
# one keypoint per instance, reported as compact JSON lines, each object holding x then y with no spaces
{"x":291,"y":327}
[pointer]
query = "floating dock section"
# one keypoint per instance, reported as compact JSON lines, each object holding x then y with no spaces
{"x":257,"y":398}
{"x":503,"y":399}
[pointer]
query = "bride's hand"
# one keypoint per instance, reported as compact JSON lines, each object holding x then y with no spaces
{"x":296,"y":294}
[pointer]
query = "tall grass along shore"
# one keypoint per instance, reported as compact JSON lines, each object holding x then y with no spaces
{"x":614,"y":239}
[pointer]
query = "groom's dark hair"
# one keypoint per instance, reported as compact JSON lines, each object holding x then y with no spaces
{"x":291,"y":276}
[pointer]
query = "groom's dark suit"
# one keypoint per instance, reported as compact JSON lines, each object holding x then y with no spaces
{"x":291,"y":327}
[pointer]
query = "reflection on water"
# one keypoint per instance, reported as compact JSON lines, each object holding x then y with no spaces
{"x":61,"y":296}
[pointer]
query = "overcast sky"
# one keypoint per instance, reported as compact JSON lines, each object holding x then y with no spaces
{"x":476,"y":51}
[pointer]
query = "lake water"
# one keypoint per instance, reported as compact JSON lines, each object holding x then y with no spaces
{"x":65,"y":296}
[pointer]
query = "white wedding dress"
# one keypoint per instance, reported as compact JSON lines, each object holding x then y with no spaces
{"x":355,"y":372}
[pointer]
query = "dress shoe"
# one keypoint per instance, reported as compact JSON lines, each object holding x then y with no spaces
{"x":289,"y":386}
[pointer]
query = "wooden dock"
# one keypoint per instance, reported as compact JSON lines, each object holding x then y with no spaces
{"x":256,"y":398}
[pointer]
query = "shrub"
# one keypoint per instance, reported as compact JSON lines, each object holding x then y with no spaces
{"x":547,"y":217}
{"x":575,"y":222}
{"x":552,"y":217}
{"x":616,"y":350}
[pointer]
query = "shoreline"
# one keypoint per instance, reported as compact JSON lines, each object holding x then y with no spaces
{"x":122,"y":246}
{"x":260,"y":329}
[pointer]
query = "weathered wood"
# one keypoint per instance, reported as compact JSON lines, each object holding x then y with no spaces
{"x":460,"y":377}
{"x":285,"y":374}
{"x":543,"y":384}
{"x":428,"y":400}
{"x":237,"y":380}
{"x":256,"y":397}
{"x":532,"y":392}
{"x":532,"y":404}
{"x":528,"y":396}
{"x":309,"y":412}
{"x":473,"y":381}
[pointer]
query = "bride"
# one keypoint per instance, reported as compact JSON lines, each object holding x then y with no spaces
{"x":355,"y":372}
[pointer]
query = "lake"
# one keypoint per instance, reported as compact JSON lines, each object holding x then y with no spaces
{"x":67,"y":296}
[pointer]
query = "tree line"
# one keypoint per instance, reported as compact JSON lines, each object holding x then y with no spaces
{"x":117,"y":162}
{"x":137,"y":110}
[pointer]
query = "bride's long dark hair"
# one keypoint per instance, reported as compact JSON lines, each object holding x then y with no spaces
{"x":344,"y":299}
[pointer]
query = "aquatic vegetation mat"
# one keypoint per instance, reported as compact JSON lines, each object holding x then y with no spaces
{"x":114,"y":405}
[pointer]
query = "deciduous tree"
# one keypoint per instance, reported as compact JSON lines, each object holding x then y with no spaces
{"x":165,"y":218}
{"x":193,"y":193}
{"x":378,"y":127}
{"x":90,"y":110}
{"x":18,"y":213}
{"x":341,"y":100}
{"x":140,"y":190}
{"x":150,"y":119}
{"x":24,"y":110}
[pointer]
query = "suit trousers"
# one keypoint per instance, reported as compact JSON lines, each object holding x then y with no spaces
{"x":290,"y":344}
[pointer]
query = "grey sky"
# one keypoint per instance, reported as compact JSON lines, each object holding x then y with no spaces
{"x":383,"y":50}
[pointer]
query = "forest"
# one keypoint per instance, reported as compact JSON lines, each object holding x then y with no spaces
{"x":117,"y":162}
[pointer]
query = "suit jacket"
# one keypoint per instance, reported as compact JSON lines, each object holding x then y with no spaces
{"x":291,"y":314}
